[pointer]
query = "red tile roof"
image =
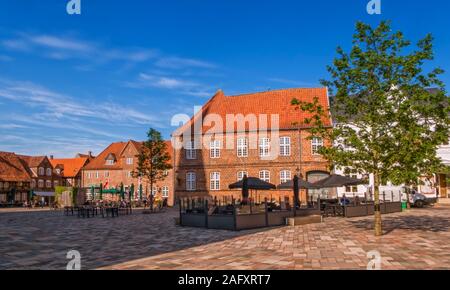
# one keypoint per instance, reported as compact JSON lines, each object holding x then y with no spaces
{"x":116,"y":149}
{"x":32,"y":161}
{"x":268,"y":103}
{"x":12,"y":168}
{"x":70,"y":167}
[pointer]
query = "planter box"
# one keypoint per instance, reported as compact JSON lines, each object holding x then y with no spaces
{"x":305,"y":220}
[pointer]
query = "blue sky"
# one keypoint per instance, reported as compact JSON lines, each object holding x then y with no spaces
{"x":75,"y":83}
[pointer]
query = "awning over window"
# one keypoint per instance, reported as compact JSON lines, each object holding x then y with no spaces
{"x":44,"y":194}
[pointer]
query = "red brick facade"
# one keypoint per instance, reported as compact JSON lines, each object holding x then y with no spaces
{"x":300,"y":160}
{"x":123,"y":156}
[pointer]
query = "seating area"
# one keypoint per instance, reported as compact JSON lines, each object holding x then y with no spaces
{"x":105,"y":210}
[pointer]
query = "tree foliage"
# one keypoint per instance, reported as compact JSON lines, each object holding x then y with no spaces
{"x":387,"y":120}
{"x":153,"y":158}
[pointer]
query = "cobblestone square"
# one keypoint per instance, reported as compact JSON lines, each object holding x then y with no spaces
{"x":417,"y":239}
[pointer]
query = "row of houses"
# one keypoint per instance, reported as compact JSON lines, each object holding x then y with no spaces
{"x":259,"y":135}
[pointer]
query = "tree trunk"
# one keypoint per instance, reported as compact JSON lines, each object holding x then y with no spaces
{"x":377,"y":209}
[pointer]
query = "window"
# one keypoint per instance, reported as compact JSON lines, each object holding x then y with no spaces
{"x":166,"y":173}
{"x":190,"y":150}
{"x":352,"y":174}
{"x":264,"y":175}
{"x":6,"y":185}
{"x":110,"y":162}
{"x":130,"y":174}
{"x":96,"y":174}
{"x":49,"y":172}
{"x":106,"y":174}
{"x":88,"y":175}
{"x":154,"y":190}
{"x":264,"y":147}
{"x":191,"y":181}
{"x":165,"y":191}
{"x":1,"y":185}
{"x":130,"y":160}
{"x":242,"y":147}
{"x":285,"y":176}
{"x":316,"y":144}
{"x":41,"y":171}
{"x":215,"y":149}
{"x":214,"y":181}
{"x":55,"y":183}
{"x":40,"y":183}
{"x":48,"y":184}
{"x":241,"y":174}
{"x":58,"y":171}
{"x":285,"y":146}
{"x":33,"y":183}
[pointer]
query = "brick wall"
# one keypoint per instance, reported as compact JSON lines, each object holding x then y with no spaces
{"x":229,"y":165}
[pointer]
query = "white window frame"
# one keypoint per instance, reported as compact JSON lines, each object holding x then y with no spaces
{"x":106,"y":174}
{"x":41,"y":171}
{"x":214,"y":181}
{"x":352,"y":173}
{"x":316,"y":144}
{"x":130,"y":160}
{"x":241,"y":174}
{"x":191,"y":153}
{"x":109,"y":162}
{"x":55,"y":183}
{"x":48,"y":172}
{"x":264,"y":175}
{"x":214,"y":149}
{"x":285,"y":146}
{"x":264,"y":147}
{"x":191,"y":181}
{"x":41,"y":183}
{"x":165,"y":191}
{"x":285,"y":176}
{"x":97,"y":175}
{"x":48,"y":184}
{"x":242,"y":147}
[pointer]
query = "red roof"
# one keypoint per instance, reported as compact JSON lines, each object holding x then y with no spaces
{"x":276,"y":102}
{"x":70,"y":167}
{"x":116,"y":149}
{"x":32,"y":161}
{"x":12,"y":169}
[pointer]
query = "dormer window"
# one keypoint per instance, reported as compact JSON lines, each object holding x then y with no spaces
{"x":110,"y":159}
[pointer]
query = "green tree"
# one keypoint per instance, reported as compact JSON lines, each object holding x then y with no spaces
{"x":387,"y":122}
{"x":153,"y":159}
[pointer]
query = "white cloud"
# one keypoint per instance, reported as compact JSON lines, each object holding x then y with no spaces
{"x":178,"y":63}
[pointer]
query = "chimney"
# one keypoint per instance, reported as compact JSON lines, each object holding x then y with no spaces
{"x":51,"y":157}
{"x":90,"y":154}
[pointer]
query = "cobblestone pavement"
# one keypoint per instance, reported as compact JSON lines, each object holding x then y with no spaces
{"x":417,"y":239}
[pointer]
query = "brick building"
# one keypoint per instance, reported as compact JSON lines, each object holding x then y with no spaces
{"x":115,"y":165}
{"x":234,"y":148}
{"x":14,"y":179}
{"x":69,"y":169}
{"x":44,"y":177}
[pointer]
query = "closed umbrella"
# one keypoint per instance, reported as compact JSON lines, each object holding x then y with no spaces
{"x":131,"y":191}
{"x":122,"y":192}
{"x":140,"y":191}
{"x":101,"y":191}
